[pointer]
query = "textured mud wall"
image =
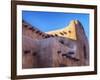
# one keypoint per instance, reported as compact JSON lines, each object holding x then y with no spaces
{"x":45,"y":50}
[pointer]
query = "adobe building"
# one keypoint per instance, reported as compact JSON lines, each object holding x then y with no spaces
{"x":60,"y":48}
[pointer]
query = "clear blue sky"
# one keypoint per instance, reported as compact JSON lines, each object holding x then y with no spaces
{"x":47,"y":21}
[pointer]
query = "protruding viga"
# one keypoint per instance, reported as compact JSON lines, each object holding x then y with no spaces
{"x":68,"y":32}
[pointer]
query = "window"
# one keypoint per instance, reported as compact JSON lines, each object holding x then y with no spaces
{"x":84,"y":48}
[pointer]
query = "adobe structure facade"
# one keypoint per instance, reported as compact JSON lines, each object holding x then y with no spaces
{"x":60,"y":48}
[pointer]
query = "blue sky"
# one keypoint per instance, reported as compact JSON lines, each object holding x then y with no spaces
{"x":47,"y":21}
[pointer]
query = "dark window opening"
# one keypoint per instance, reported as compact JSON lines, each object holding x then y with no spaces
{"x":70,"y":53}
{"x":61,"y":41}
{"x":58,"y":52}
{"x":84,"y":48}
{"x":34,"y":54}
{"x":70,"y":57}
{"x":64,"y":54}
{"x":27,"y":51}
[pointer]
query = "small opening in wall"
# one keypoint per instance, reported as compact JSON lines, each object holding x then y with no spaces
{"x":27,"y":51}
{"x":58,"y":52}
{"x":84,"y":48}
{"x":70,"y":53}
{"x":34,"y":54}
{"x":61,"y":41}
